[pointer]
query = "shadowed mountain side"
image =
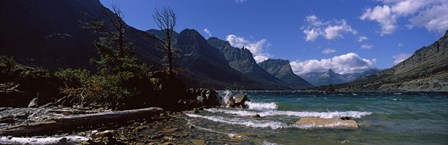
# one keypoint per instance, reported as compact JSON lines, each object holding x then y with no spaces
{"x":52,"y":33}
{"x":208,"y":65}
{"x":243,"y":61}
{"x":425,"y":70}
{"x":282,"y":70}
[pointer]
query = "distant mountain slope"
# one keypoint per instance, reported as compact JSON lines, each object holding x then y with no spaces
{"x":282,"y":70}
{"x":324,"y":78}
{"x":243,"y":61}
{"x":330,"y":77}
{"x":425,"y":70}
{"x":51,"y":33}
{"x":208,"y":65}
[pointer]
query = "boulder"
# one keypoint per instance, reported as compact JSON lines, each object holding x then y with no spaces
{"x":230,"y":102}
{"x":240,"y":100}
{"x":337,"y":122}
{"x":206,"y":97}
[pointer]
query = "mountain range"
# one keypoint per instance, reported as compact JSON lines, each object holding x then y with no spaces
{"x":55,"y":34}
{"x":330,"y":77}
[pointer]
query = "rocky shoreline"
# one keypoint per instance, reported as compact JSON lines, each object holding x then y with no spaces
{"x":163,"y":128}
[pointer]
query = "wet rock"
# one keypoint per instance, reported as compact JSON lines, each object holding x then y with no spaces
{"x":168,"y":143}
{"x":230,"y":102}
{"x":155,"y":136}
{"x":237,"y":137}
{"x":345,"y":118}
{"x":336,"y":122}
{"x":206,"y":97}
{"x":198,"y":142}
{"x":181,"y":134}
{"x":256,"y":116}
{"x":240,"y":100}
{"x":34,"y":103}
{"x":170,"y":130}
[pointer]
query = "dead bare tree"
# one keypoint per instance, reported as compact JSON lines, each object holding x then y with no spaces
{"x":165,"y":19}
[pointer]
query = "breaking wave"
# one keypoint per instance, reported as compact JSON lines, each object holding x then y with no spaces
{"x":261,"y":106}
{"x":243,"y":122}
{"x":263,"y":123}
{"x":352,"y":114}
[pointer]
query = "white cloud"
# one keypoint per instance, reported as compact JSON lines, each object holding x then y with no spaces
{"x":330,"y":30}
{"x":366,"y":46}
{"x":400,"y":57}
{"x":257,"y":48}
{"x":240,"y":1}
{"x":434,"y":19}
{"x":342,"y":64}
{"x":431,"y":14}
{"x":311,"y":35}
{"x":400,"y":44}
{"x":314,"y":21}
{"x":208,"y":32}
{"x":362,"y":38}
{"x":384,"y":16}
{"x":328,"y":51}
{"x":335,"y":31}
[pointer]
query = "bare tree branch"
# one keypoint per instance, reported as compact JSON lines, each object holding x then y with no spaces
{"x":165,"y":19}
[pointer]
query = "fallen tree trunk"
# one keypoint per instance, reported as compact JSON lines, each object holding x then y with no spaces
{"x":75,"y":122}
{"x":43,"y":140}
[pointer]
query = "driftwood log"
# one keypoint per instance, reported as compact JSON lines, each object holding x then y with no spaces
{"x":74,"y":122}
{"x":67,"y":140}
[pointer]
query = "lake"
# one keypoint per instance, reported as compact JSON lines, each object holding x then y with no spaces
{"x":383,"y":118}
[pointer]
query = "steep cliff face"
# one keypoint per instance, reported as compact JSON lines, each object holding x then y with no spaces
{"x":243,"y":61}
{"x":282,"y":70}
{"x":425,"y":70}
{"x":208,"y":66}
{"x":52,"y":33}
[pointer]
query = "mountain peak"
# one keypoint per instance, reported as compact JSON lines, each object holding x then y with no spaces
{"x":282,"y":70}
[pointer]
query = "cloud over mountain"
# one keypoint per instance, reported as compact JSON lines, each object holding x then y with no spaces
{"x":257,"y":48}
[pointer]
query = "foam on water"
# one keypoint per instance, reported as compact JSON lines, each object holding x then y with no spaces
{"x":243,"y":122}
{"x":263,"y":123}
{"x":261,"y":106}
{"x":330,"y":125}
{"x":352,"y":114}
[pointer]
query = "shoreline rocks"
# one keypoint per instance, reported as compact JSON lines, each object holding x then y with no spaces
{"x":238,"y":101}
{"x":337,"y":122}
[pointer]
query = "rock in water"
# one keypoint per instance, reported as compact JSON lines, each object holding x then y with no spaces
{"x":240,"y":100}
{"x":205,"y":97}
{"x":34,"y":103}
{"x":327,"y":122}
{"x":230,"y":102}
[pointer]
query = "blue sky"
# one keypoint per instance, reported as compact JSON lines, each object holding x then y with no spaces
{"x":344,"y":35}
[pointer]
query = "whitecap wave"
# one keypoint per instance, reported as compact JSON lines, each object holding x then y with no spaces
{"x":330,"y":125}
{"x":264,"y":123}
{"x":261,"y":106}
{"x":243,"y":122}
{"x":352,"y":114}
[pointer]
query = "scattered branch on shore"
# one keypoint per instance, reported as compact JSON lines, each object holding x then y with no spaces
{"x":70,"y":123}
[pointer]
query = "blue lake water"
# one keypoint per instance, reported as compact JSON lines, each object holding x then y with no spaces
{"x":382,"y":118}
